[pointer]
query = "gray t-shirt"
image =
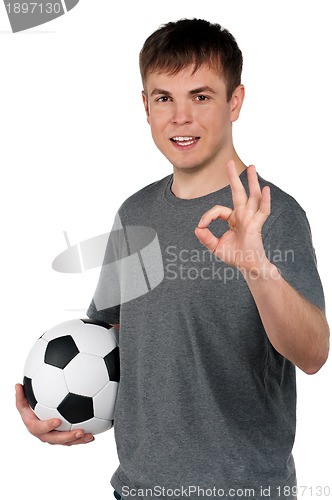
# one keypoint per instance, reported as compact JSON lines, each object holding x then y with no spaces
{"x":206,"y":406}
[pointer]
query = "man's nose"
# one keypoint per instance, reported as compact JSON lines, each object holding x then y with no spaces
{"x":182,"y":113}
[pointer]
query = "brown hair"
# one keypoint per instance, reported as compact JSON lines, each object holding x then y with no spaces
{"x":176,"y":45}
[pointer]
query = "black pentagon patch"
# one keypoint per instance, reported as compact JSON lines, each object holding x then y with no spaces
{"x":75,"y":408}
{"x":96,"y":322}
{"x":112,"y":362}
{"x":28,"y":391}
{"x":60,"y":351}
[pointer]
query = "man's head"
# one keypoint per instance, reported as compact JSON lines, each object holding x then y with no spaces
{"x":192,"y":42}
{"x":191,"y":72}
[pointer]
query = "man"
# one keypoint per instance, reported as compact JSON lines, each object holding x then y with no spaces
{"x":206,"y":403}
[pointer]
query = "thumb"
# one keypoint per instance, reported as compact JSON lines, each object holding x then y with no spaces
{"x":207,"y":238}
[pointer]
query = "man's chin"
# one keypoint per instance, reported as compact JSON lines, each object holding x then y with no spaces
{"x":187,"y":167}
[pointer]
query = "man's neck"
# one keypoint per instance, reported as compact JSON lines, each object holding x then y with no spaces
{"x":200,"y":182}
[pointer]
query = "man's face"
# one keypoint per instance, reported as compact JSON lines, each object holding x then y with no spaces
{"x":190,"y":118}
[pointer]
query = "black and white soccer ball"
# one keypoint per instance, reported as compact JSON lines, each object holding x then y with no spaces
{"x":72,"y":372}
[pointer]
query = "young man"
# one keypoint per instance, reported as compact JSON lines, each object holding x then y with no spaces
{"x":206,"y":403}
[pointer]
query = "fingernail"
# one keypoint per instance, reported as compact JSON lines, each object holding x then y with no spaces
{"x":89,"y":439}
{"x":201,"y":223}
{"x":79,"y":434}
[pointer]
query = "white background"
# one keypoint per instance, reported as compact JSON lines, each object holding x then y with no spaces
{"x":75,"y":144}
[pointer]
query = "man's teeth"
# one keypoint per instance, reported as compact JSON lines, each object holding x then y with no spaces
{"x":184,"y":141}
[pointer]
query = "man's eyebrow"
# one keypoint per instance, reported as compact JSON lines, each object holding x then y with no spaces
{"x":160,"y":92}
{"x":199,"y":90}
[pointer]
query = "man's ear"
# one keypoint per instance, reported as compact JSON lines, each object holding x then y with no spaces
{"x":236,"y":102}
{"x":146,"y":106}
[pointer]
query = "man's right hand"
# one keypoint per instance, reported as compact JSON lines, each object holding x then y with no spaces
{"x":45,"y":429}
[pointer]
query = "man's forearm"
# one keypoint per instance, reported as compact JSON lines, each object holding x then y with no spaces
{"x":296,"y":328}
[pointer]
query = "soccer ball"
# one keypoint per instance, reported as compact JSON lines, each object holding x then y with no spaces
{"x":72,"y":373}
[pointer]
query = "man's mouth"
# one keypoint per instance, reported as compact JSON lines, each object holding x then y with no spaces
{"x":183,"y":141}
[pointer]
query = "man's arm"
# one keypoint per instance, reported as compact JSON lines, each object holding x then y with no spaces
{"x":296,"y":328}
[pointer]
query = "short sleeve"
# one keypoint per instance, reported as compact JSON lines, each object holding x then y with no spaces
{"x":105,"y":305}
{"x":288,"y":244}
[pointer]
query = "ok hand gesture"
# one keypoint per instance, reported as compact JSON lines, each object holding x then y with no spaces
{"x":241,"y":246}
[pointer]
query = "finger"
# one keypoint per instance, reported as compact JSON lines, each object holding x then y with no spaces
{"x":216,"y":212}
{"x":44,"y":429}
{"x":39,"y":427}
{"x":255,"y":193}
{"x":265,"y":205}
{"x":239,"y":194}
{"x":21,"y":401}
{"x":36,"y":426}
{"x":67,"y":438}
{"x":23,"y":406}
{"x":86,"y":438}
{"x":207,"y":238}
{"x":83,"y":440}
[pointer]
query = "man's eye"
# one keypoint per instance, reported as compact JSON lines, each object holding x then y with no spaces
{"x":201,"y":98}
{"x":163,"y":98}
